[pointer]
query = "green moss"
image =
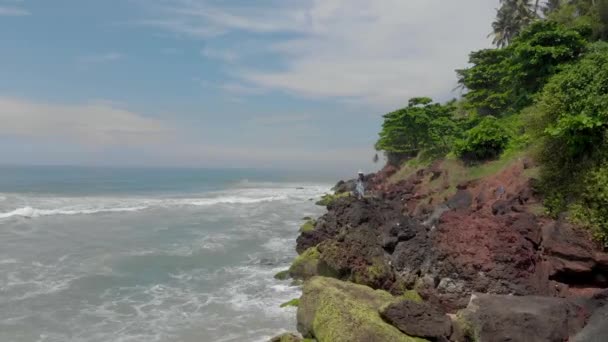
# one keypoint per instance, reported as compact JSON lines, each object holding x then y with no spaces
{"x":306,"y":218}
{"x":306,"y":265}
{"x":372,"y":275}
{"x":335,"y":311}
{"x":308,"y":226}
{"x":467,"y":328}
{"x":283,"y":275}
{"x":413,"y":296}
{"x":287,"y":337}
{"x":294,"y":303}
{"x":328,"y":199}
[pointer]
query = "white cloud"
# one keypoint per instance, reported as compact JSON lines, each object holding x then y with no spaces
{"x":13,"y":11}
{"x":92,"y":124}
{"x":375,"y":52}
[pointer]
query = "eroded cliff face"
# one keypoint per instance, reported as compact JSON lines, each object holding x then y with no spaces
{"x":448,"y":241}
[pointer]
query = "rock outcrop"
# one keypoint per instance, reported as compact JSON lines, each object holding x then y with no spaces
{"x":337,"y":311}
{"x":499,"y":318}
{"x":483,"y":236}
{"x":418,"y":319}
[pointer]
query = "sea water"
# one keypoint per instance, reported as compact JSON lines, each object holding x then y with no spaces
{"x":148,"y":255}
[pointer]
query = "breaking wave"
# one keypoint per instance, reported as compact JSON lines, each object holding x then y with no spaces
{"x":37,"y":207}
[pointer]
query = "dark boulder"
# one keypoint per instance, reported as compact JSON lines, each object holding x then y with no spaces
{"x":498,"y":318}
{"x":418,"y":319}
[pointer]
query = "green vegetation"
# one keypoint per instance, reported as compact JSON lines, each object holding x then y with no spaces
{"x":487,"y":140}
{"x":503,"y":81}
{"x":328,"y":199}
{"x":571,"y":123}
{"x":543,"y":90}
{"x":292,"y":303}
{"x":422,"y":125}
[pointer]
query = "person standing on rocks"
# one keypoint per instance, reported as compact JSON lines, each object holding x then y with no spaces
{"x":360,"y":188}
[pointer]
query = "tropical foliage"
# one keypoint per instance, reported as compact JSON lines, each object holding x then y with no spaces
{"x":502,"y":81}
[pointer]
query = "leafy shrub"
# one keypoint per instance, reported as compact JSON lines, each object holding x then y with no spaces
{"x":572,"y":126}
{"x":484,"y":141}
{"x":591,"y":210}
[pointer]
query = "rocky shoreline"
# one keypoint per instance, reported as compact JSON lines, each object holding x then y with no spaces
{"x":430,"y":256}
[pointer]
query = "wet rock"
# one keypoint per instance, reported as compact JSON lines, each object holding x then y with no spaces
{"x":418,"y":319}
{"x":500,"y":318}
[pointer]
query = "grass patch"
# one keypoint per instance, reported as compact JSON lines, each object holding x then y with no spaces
{"x":328,"y":199}
{"x":292,"y":303}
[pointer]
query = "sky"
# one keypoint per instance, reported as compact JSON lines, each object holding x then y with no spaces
{"x":295,"y":84}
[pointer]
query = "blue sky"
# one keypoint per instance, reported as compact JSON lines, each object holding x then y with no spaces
{"x":209,"y":83}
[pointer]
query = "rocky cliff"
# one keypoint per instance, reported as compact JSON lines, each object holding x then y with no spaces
{"x":440,"y":255}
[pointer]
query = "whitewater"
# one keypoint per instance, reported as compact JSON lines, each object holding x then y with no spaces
{"x":172,"y":261}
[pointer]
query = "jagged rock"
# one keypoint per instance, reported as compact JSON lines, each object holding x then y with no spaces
{"x":571,"y":255}
{"x":358,"y":257}
{"x":418,"y":319}
{"x":596,"y":329}
{"x":345,"y":214}
{"x":335,"y":311}
{"x":499,"y":318}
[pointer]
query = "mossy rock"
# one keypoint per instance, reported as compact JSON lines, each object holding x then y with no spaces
{"x":328,"y":199}
{"x":306,"y":264}
{"x":287,"y":337}
{"x":413,"y":296}
{"x":331,"y":310}
{"x":292,"y":303}
{"x":308,"y":226}
{"x":306,"y":218}
{"x":373,"y":275}
{"x":283,"y":275}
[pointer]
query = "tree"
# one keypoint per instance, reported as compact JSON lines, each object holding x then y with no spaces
{"x":503,"y":81}
{"x":511,"y":18}
{"x":422,"y":125}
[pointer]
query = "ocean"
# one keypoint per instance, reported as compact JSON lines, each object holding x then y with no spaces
{"x":103,"y":254}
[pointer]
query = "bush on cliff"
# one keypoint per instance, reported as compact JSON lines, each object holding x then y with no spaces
{"x":484,"y":141}
{"x":571,"y":123}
